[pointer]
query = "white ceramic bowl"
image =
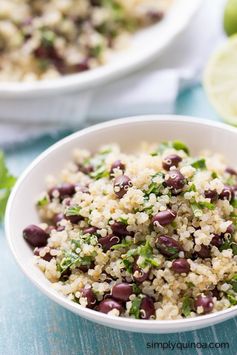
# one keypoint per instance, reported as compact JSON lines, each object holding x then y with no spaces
{"x":145,"y":46}
{"x":129,"y":132}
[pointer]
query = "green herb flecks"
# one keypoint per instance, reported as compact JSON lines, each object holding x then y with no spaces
{"x":199,"y":164}
{"x":233,"y":283}
{"x":99,"y":173}
{"x":7,"y":181}
{"x":48,"y":38}
{"x":123,"y":220}
{"x":124,"y":244}
{"x":135,"y":309}
{"x":43,"y":201}
{"x":232,"y":298}
{"x":146,"y":252}
{"x":72,"y":260}
{"x":177,"y":145}
{"x":73,"y":211}
{"x":214,"y":175}
{"x":187,"y":306}
{"x":197,"y":207}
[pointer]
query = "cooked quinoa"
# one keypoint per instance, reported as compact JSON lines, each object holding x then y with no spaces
{"x":148,"y":235}
{"x":42,"y":39}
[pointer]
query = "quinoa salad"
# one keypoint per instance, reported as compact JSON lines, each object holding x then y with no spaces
{"x":42,"y":39}
{"x":145,"y":235}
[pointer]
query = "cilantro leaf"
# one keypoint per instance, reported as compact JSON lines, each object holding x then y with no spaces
{"x":7,"y":181}
{"x":135,"y":309}
{"x":199,"y":164}
{"x":187,"y":306}
{"x":178,"y":145}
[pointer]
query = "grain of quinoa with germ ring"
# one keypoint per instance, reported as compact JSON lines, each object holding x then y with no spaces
{"x":148,"y":235}
{"x":46,"y":39}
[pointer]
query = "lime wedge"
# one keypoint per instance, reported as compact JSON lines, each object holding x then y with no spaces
{"x":220,"y":80}
{"x":230,"y":17}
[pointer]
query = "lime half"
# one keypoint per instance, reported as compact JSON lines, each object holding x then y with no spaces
{"x":230,"y":17}
{"x":220,"y":80}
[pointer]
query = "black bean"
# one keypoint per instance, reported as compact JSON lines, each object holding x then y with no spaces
{"x":117,"y":165}
{"x":147,"y":308}
{"x":204,"y":252}
{"x":67,"y":201}
{"x":35,"y":236}
{"x":81,"y":66}
{"x":230,"y":229}
{"x":180,"y":266}
{"x":74,"y":219}
{"x":216,"y":293}
{"x":108,"y":305}
{"x":155,"y":16}
{"x":164,"y":217}
{"x":211,"y":194}
{"x":231,"y":171}
{"x":140,"y":275}
{"x":122,"y":291}
{"x":90,"y":296}
{"x":108,"y":241}
{"x":46,"y":257}
{"x":217,"y":240}
{"x":227,"y":193}
{"x":171,"y":160}
{"x":85,"y":169}
{"x":58,"y":217}
{"x":64,"y":190}
{"x":90,"y":230}
{"x":175,"y":180}
{"x":85,"y":268}
{"x":168,"y":246}
{"x":121,"y":185}
{"x":206,"y":302}
{"x":120,"y":229}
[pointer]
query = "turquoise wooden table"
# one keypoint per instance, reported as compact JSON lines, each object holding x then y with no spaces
{"x":31,"y":324}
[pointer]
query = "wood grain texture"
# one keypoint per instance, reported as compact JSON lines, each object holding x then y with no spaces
{"x":31,"y":324}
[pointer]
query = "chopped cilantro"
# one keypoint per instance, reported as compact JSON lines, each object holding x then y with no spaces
{"x":136,"y":289}
{"x":187,"y":306}
{"x":123,"y":220}
{"x":48,"y":38}
{"x":199,"y":164}
{"x":196,"y":210}
{"x":124,"y":244}
{"x":43,"y":201}
{"x":233,"y":282}
{"x":73,"y":211}
{"x":232,"y":298}
{"x":99,"y":173}
{"x":214,"y":175}
{"x":128,"y":265}
{"x":192,"y":188}
{"x":178,"y":145}
{"x":234,"y":203}
{"x":7,"y":181}
{"x":135,"y":309}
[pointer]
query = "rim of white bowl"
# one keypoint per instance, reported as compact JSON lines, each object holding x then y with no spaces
{"x":101,"y":75}
{"x":109,"y":320}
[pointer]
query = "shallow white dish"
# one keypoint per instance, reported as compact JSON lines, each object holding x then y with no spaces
{"x":197,"y":134}
{"x":145,"y":46}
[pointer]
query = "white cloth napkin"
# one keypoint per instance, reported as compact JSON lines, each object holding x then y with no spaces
{"x":151,"y":90}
